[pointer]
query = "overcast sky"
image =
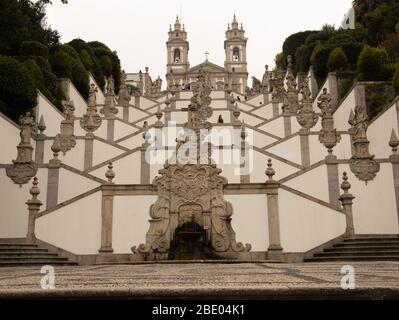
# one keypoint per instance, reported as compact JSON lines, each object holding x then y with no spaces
{"x":137,"y":29}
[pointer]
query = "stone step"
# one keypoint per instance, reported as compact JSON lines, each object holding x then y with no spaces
{"x":363,"y":248}
{"x":27,"y":254}
{"x":368,"y":243}
{"x":353,"y":258}
{"x":24,"y":263}
{"x":17,"y":245}
{"x":373,"y":239}
{"x":40,"y":258}
{"x":358,"y":253}
{"x":22,"y":249}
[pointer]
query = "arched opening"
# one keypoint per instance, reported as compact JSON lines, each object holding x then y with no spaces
{"x":176,"y":56}
{"x":236,"y":54}
{"x":190,"y":243}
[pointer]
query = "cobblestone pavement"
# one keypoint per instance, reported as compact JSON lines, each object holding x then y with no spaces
{"x":197,"y":279}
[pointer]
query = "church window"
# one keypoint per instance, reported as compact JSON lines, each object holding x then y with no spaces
{"x":176,"y":56}
{"x":177,"y":34}
{"x":236,"y":54}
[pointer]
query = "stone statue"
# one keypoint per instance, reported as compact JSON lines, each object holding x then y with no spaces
{"x":23,"y":168}
{"x":91,"y":119}
{"x":111,"y":86}
{"x":359,"y":123}
{"x":92,"y":101}
{"x":28,"y":128}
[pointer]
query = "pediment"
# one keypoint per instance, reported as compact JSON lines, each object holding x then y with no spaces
{"x":207,"y":67}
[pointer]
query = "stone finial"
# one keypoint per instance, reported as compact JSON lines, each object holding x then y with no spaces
{"x":91,"y":119}
{"x":345,"y":185}
{"x":158,"y":114}
{"x":34,"y":190}
{"x":236,"y":114}
{"x":42,"y":125}
{"x":270,"y":172}
{"x":56,"y":148}
{"x":110,"y":174}
{"x":394,"y":142}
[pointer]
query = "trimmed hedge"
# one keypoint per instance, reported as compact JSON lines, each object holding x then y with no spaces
{"x":337,"y":61}
{"x":34,"y":48}
{"x":17,"y":87}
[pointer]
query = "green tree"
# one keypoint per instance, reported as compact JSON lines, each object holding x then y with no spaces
{"x":373,"y":64}
{"x":17,"y":88}
{"x":337,"y":61}
{"x":319,"y":59}
{"x":280,"y":61}
{"x":294,"y":41}
{"x":395,"y":80}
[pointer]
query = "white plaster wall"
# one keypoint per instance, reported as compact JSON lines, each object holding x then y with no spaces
{"x":250,"y":120}
{"x":52,"y":117}
{"x":146,"y":103}
{"x":313,"y":183}
{"x":250,"y":220}
{"x":265,"y":111}
{"x":14,"y":211}
{"x":130,"y":223}
{"x":179,"y":117}
{"x":127,"y":170}
{"x":289,"y":149}
{"x":219,"y":104}
{"x":135,"y":114}
{"x":260,"y":164}
{"x":343,"y":150}
{"x":133,"y":142}
{"x":317,"y":150}
{"x":72,"y":185}
{"x":275,"y":127}
{"x":379,"y":133}
{"x":305,"y":225}
{"x":374,"y":208}
{"x":217,"y":94}
{"x":122,"y":129}
{"x":244,"y":107}
{"x":103,"y":152}
{"x":73,"y":157}
{"x":79,"y":103}
{"x":341,"y":115}
{"x":9,"y":140}
{"x":75,"y":228}
{"x":261,"y":140}
{"x":256,"y":101}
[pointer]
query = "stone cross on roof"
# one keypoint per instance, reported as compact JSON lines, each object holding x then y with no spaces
{"x":206,"y":53}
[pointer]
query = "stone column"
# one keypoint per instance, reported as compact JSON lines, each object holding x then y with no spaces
{"x":89,"y":143}
{"x":305,"y":150}
{"x":244,"y":166}
{"x":145,"y":166}
{"x":333,"y":179}
{"x":126,"y":113}
{"x":107,"y":213}
{"x":137,"y":100}
{"x":265,"y":98}
{"x":287,"y":125}
{"x":394,"y":158}
{"x":33,"y":209}
{"x":275,"y":251}
{"x":53,"y":175}
{"x":275,"y":109}
{"x":347,"y":200}
{"x":110,"y":127}
{"x":333,"y":84}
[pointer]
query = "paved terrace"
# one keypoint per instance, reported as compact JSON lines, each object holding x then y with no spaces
{"x":375,"y":280}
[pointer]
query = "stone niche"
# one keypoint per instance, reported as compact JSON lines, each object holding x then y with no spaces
{"x":190,"y":203}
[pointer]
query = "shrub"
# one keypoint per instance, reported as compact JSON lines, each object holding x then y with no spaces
{"x":61,"y":64}
{"x":337,"y":60}
{"x":34,"y":48}
{"x":294,"y":41}
{"x":373,"y":64}
{"x":319,"y":60}
{"x":17,"y":87}
{"x":395,"y":80}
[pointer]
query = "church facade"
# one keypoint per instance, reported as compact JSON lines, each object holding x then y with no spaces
{"x":233,"y":75}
